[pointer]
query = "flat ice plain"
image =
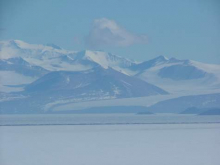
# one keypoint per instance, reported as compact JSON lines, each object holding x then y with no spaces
{"x":183,"y":143}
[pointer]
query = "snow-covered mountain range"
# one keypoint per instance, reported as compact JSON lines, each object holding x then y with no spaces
{"x":178,"y":76}
{"x":30,"y":71}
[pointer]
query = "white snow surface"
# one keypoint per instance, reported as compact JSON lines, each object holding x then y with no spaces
{"x":169,"y":144}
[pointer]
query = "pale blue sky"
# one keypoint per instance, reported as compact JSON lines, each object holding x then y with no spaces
{"x":186,"y":29}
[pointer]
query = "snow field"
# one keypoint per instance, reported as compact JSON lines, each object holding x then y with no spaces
{"x":151,"y":144}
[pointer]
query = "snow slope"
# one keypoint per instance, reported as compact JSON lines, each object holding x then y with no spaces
{"x":107,"y":81}
{"x":16,"y":72}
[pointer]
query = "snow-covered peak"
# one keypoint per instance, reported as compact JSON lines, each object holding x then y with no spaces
{"x":149,"y":64}
{"x":175,"y":60}
{"x":21,"y":45}
{"x":158,"y":63}
{"x":98,"y":57}
{"x":104,"y":59}
{"x":17,"y":48}
{"x":53,"y":46}
{"x":161,"y":58}
{"x":53,"y":58}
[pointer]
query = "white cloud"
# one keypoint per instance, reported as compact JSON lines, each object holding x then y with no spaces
{"x":107,"y":32}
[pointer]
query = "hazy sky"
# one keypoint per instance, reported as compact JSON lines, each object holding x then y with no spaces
{"x":138,"y":29}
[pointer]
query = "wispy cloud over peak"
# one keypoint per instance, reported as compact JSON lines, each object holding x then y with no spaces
{"x":105,"y":32}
